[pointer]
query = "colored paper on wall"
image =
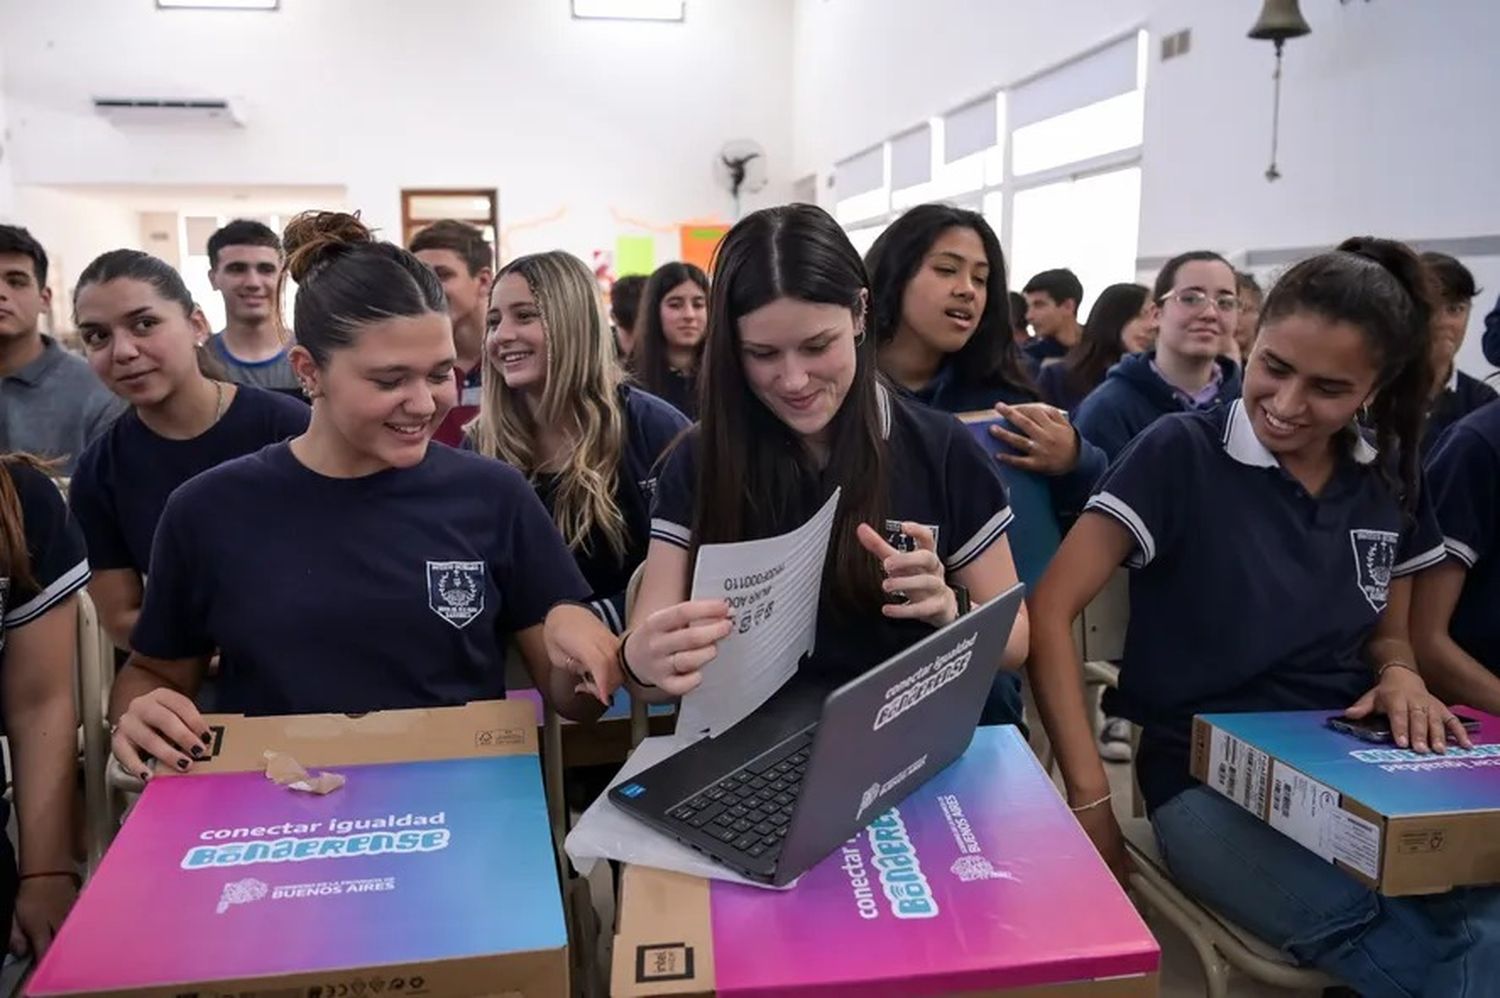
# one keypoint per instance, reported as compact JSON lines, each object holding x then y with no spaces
{"x":635,"y":255}
{"x":699,"y":243}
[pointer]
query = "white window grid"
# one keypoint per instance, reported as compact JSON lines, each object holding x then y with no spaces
{"x":987,"y":181}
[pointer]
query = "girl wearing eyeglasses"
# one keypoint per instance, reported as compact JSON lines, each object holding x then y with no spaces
{"x":1198,"y":307}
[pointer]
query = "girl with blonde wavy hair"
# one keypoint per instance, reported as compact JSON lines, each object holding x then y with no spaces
{"x":556,"y":406}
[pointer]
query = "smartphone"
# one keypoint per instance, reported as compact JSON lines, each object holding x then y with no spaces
{"x":1377,"y":727}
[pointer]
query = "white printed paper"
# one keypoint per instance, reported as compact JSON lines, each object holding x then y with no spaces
{"x":606,"y":832}
{"x":1238,"y":770}
{"x":772,"y":588}
{"x":1356,"y":842}
{"x":1303,"y":809}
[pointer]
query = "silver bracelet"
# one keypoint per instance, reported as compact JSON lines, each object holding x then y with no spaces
{"x":1091,"y":804}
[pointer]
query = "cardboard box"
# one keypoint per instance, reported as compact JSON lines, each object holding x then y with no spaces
{"x":431,"y":872}
{"x":1400,"y":822}
{"x":979,"y":882}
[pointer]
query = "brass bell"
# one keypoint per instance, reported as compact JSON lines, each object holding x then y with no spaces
{"x":1278,"y":21}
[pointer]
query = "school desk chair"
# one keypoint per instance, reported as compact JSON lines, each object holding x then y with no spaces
{"x":1219,"y":942}
{"x":96,"y":673}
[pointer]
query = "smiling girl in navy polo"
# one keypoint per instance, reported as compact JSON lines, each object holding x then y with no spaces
{"x":141,"y":330}
{"x":555,"y":408}
{"x":356,"y":568}
{"x":798,"y":412}
{"x":1272,"y":548}
{"x":1456,"y":605}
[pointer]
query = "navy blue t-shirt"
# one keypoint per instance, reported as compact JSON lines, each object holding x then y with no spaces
{"x":1247,"y":593}
{"x":398,"y":589}
{"x":124,"y":477}
{"x":1463,"y":473}
{"x":650,"y":427}
{"x":936,"y":475}
{"x":1462,"y":395}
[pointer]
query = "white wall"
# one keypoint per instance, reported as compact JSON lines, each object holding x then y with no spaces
{"x":867,"y":69}
{"x":74,"y":228}
{"x":569,"y":119}
{"x":1383,"y":131}
{"x":7,"y":181}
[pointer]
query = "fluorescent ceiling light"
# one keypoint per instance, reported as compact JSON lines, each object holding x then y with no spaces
{"x":629,"y":10}
{"x":218,"y":4}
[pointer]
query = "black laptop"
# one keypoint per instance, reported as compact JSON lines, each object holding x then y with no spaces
{"x":779,"y":791}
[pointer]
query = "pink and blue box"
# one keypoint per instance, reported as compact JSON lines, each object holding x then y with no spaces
{"x":1399,"y":822}
{"x":431,"y":872}
{"x":979,"y":882}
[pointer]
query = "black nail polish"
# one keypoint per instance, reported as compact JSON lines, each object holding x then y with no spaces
{"x":182,"y":764}
{"x":208,"y":739}
{"x":197,"y":751}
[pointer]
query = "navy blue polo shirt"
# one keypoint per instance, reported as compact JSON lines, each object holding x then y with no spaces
{"x":650,"y":427}
{"x":680,"y":391}
{"x":1462,"y":395}
{"x":54,"y":545}
{"x":1247,"y":594}
{"x":1132,"y":396}
{"x":398,"y":589}
{"x":936,"y":474}
{"x":124,"y":477}
{"x":1463,"y":475}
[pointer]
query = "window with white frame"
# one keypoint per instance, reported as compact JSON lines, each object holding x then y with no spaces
{"x":1052,"y":162}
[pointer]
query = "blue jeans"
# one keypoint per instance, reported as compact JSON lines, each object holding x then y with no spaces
{"x":1442,"y":944}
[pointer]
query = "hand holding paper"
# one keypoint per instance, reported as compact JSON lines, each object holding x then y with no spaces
{"x":771,"y":587}
{"x":673,"y":645}
{"x":916,"y":578}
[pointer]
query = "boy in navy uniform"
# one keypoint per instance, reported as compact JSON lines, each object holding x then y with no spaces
{"x":366,"y":569}
{"x":1455,"y":393}
{"x":1273,"y":549}
{"x":1456,"y":605}
{"x":1053,"y":299}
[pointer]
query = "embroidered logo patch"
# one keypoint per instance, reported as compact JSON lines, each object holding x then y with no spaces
{"x":455,"y":590}
{"x":1374,"y":554}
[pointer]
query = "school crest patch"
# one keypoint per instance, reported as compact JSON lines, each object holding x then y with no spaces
{"x":455,"y":590}
{"x":1374,"y":554}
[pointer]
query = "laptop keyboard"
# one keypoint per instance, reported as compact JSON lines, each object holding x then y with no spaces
{"x":749,"y":810}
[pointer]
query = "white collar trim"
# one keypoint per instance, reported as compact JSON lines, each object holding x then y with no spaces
{"x":883,"y":402}
{"x":1241,"y":443}
{"x":1452,"y":385}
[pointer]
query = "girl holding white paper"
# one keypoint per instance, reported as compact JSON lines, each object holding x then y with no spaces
{"x":556,"y":408}
{"x":357,"y":567}
{"x":798,"y":411}
{"x":1272,"y":548}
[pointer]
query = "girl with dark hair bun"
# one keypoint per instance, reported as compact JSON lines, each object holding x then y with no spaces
{"x":1272,"y":548}
{"x":670,"y":326}
{"x":144,"y":335}
{"x":356,"y":567}
{"x":798,"y":411}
